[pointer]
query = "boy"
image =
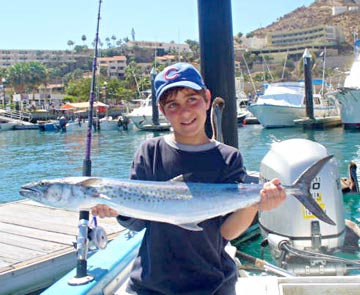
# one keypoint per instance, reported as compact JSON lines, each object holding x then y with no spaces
{"x":173,"y":260}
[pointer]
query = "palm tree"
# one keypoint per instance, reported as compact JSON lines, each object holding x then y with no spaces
{"x":70,"y":43}
{"x":83,"y":38}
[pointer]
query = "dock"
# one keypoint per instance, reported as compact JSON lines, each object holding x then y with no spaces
{"x":319,"y":122}
{"x":36,"y":245}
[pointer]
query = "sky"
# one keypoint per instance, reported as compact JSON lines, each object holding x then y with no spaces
{"x":50,"y":24}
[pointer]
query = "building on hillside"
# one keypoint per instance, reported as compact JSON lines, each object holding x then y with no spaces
{"x":159,"y":46}
{"x":167,"y":59}
{"x":48,"y":57}
{"x":114,"y":67}
{"x":321,"y":36}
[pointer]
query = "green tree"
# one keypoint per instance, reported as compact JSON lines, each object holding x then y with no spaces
{"x":70,"y":43}
{"x":83,"y":38}
{"x":79,"y":89}
{"x":26,"y":76}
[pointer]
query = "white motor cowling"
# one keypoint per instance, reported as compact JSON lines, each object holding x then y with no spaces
{"x":286,"y":160}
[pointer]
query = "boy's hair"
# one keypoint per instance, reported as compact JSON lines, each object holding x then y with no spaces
{"x":174,"y":91}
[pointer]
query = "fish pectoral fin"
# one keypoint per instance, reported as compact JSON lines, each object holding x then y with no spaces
{"x":104,"y":197}
{"x":190,"y":226}
{"x":179,"y":178}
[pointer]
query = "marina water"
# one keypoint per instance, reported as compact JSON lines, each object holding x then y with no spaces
{"x":31,"y":155}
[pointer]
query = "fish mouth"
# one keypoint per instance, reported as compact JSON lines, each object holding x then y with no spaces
{"x":31,"y":193}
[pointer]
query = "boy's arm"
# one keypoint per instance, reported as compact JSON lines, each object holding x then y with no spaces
{"x":272,"y":196}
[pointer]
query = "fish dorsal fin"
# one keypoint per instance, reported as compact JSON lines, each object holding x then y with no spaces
{"x":91,"y":182}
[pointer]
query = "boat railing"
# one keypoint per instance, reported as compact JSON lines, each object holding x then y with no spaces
{"x":17,"y":115}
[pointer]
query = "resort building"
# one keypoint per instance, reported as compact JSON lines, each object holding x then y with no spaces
{"x":49,"y":57}
{"x":159,"y":46}
{"x":322,"y":36}
{"x":114,"y":67}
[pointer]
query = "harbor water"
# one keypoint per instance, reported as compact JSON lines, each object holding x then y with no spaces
{"x":31,"y":155}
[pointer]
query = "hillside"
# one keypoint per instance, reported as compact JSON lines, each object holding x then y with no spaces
{"x":318,"y":13}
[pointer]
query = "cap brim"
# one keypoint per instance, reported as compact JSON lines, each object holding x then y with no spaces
{"x":188,"y":84}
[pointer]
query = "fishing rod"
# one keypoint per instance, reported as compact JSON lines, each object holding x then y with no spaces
{"x":87,"y":160}
{"x":82,"y":277}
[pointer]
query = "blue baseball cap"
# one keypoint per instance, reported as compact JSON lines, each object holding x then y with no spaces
{"x":178,"y":75}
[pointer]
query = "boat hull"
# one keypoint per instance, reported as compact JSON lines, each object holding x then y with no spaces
{"x":348,"y":100}
{"x":7,"y":126}
{"x":275,"y":116}
{"x":145,"y":122}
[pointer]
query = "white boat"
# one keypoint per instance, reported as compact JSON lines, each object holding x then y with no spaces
{"x":5,"y":126}
{"x":109,"y":123}
{"x":142,"y":116}
{"x":241,"y":109}
{"x":284,"y":102}
{"x":348,"y":97}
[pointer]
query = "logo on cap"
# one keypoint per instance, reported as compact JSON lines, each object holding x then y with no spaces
{"x":171,"y":74}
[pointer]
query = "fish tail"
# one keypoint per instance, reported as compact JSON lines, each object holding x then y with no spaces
{"x":302,"y":192}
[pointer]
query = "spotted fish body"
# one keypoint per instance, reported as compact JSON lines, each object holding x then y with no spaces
{"x":181,"y":203}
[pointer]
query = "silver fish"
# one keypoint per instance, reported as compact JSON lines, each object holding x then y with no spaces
{"x":180,"y":203}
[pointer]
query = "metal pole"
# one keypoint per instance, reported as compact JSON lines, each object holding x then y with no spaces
{"x":3,"y":84}
{"x":82,"y":277}
{"x":155,"y":110}
{"x":308,"y":84}
{"x":217,"y":61}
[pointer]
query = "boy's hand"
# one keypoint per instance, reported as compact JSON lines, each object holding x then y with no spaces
{"x":272,"y":195}
{"x":103,"y":211}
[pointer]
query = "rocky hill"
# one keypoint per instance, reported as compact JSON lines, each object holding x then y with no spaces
{"x":319,"y":13}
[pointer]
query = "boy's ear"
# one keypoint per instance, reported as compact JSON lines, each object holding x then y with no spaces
{"x":208,"y":101}
{"x":161,"y":109}
{"x":208,"y":94}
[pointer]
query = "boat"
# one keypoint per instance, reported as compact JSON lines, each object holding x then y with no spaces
{"x":307,"y":248}
{"x":348,"y":97}
{"x":109,"y":123}
{"x":241,"y":109}
{"x":53,"y":125}
{"x":7,"y":125}
{"x":284,"y":102}
{"x":142,"y":116}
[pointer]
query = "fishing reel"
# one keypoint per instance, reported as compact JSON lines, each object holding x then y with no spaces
{"x":96,"y":236}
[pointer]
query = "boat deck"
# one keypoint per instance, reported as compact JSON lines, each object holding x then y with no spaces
{"x":36,"y":244}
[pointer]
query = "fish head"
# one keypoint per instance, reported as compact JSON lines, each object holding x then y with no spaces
{"x":66,"y":193}
{"x":47,"y":192}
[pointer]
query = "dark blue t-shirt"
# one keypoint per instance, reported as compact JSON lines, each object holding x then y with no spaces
{"x":173,"y":260}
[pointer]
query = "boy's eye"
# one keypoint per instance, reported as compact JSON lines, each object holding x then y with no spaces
{"x":171,"y":105}
{"x":192,"y":99}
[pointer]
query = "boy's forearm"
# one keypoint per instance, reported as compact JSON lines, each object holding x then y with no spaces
{"x":238,"y":222}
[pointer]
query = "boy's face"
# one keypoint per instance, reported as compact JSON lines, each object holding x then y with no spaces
{"x":186,"y":112}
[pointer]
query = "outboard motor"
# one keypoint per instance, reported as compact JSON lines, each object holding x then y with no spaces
{"x":296,"y":237}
